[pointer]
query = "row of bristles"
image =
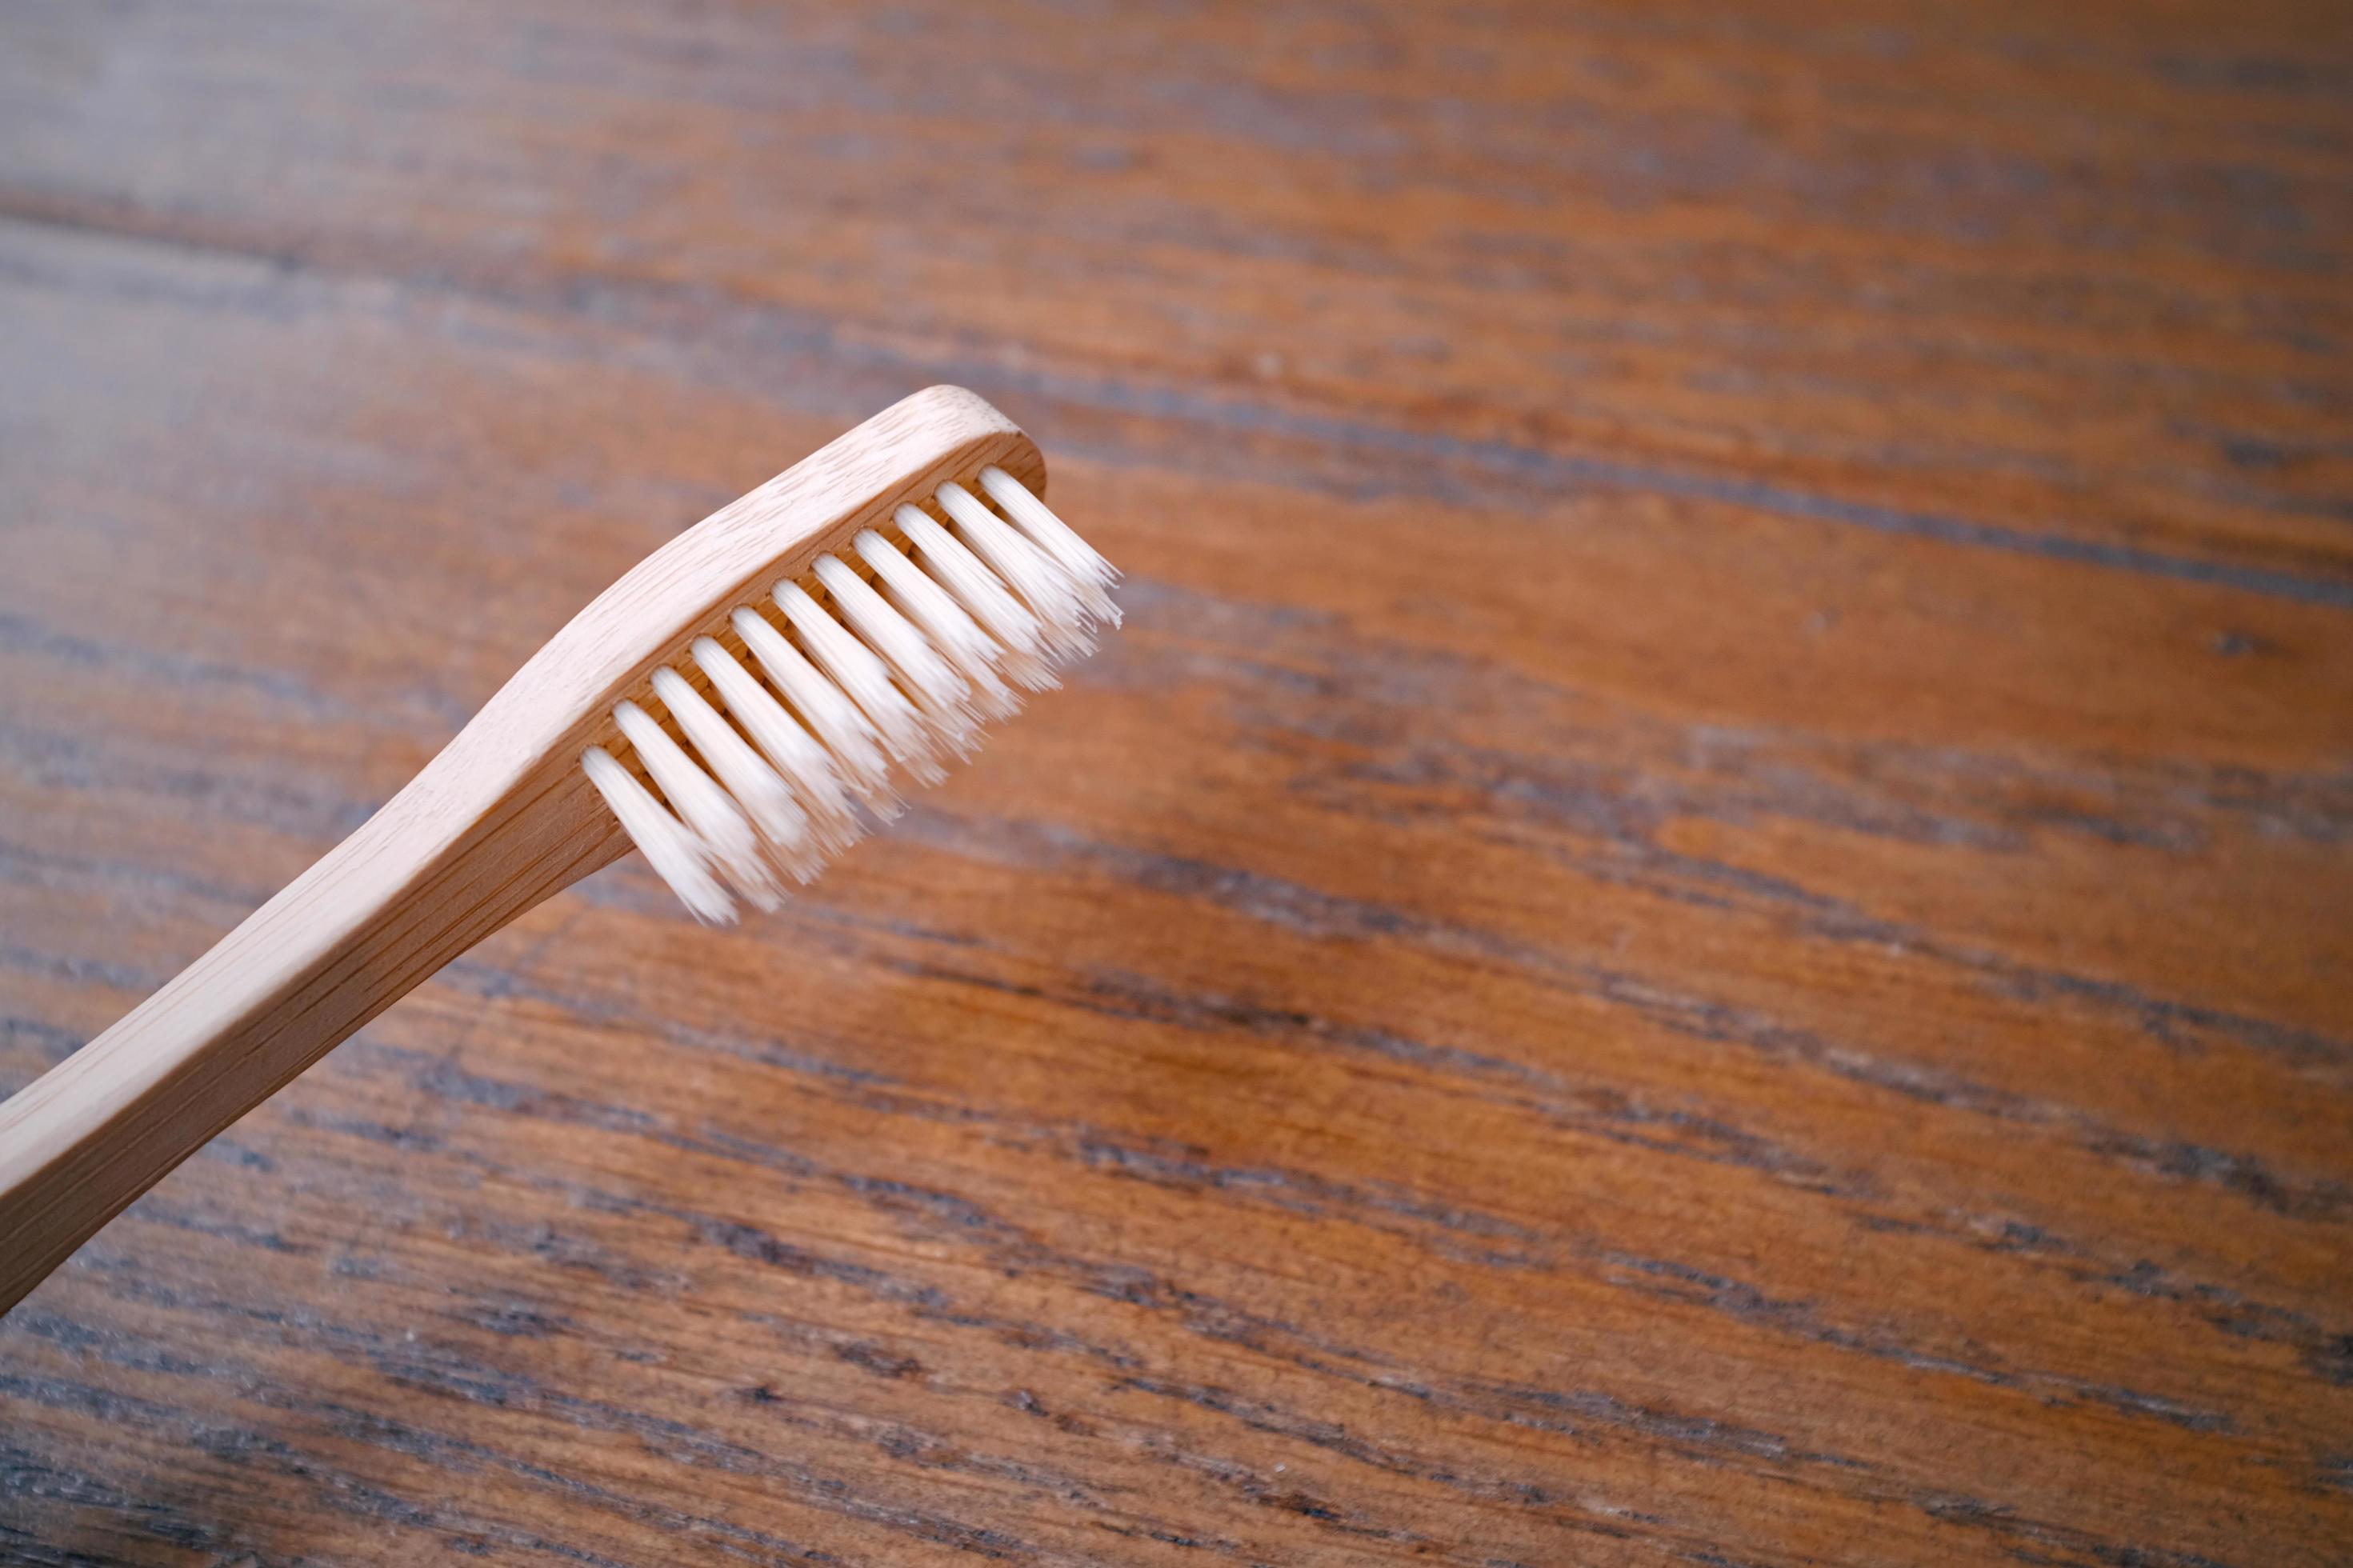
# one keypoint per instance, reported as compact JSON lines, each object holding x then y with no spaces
{"x":898,"y":670}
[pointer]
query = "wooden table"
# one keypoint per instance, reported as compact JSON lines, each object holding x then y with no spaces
{"x":1702,"y":918}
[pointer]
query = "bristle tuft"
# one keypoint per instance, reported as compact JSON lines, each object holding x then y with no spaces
{"x":823,"y":706}
{"x":677,"y":856}
{"x":767,"y":799}
{"x":1091,"y":575}
{"x":727,"y":833}
{"x":1028,"y":662}
{"x":859,"y":673}
{"x":957,"y":637}
{"x":943,"y":696}
{"x":1043,"y":584}
{"x":808,"y":768}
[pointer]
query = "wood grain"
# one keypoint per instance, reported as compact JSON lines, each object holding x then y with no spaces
{"x":1702,"y":917}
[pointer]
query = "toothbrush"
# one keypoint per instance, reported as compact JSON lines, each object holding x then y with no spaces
{"x":739,"y":708}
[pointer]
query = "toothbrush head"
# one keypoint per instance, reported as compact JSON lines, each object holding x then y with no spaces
{"x":843,"y":630}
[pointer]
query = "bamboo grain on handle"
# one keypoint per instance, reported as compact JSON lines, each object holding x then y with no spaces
{"x":359,"y":929}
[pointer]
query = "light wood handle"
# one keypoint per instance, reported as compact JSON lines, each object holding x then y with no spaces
{"x":378,"y":915}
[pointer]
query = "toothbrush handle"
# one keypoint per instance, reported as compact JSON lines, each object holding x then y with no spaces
{"x":378,"y":915}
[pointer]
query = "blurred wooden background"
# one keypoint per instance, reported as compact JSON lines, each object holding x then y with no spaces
{"x":1703,"y":919}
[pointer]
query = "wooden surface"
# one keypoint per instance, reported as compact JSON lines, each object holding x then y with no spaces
{"x":1701,"y":919}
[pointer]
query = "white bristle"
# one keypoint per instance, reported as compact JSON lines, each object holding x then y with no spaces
{"x":806,"y":765}
{"x":676,"y":854}
{"x":832,"y":717}
{"x":703,"y":805}
{"x":943,"y":620}
{"x":856,"y":670}
{"x":942,"y":693}
{"x":788,"y":771}
{"x":1093,"y":574}
{"x":764,"y":796}
{"x":1028,"y":570}
{"x":1028,"y":660}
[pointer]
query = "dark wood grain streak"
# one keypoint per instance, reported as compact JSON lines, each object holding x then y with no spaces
{"x":1702,"y":917}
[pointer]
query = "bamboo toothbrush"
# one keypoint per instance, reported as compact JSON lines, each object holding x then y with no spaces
{"x":737,"y":707}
